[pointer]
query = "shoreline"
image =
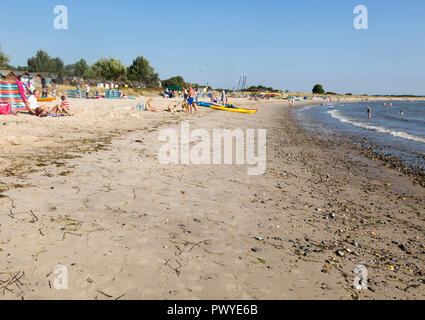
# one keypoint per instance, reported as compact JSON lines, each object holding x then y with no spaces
{"x":371,"y":151}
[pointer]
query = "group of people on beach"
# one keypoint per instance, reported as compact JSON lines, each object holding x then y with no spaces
{"x":62,"y":109}
{"x":188,"y":104}
{"x":45,"y":88}
{"x":369,"y":110}
{"x":189,"y":99}
{"x":43,"y":111}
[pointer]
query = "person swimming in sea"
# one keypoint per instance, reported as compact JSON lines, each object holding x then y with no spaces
{"x":369,"y":112}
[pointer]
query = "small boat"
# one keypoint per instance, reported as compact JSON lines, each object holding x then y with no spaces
{"x":234,"y":109}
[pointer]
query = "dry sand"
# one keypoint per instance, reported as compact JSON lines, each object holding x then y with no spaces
{"x":88,"y":193}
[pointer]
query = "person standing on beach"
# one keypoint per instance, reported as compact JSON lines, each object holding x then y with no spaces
{"x":54,"y":88}
{"x":223,"y":98}
{"x":87,"y":90}
{"x":369,"y":112}
{"x":44,"y":89}
{"x":191,"y":100}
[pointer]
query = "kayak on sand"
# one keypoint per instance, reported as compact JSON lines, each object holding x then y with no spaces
{"x":233,"y":109}
{"x":46,"y":99}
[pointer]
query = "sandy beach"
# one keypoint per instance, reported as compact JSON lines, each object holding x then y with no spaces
{"x":88,"y":193}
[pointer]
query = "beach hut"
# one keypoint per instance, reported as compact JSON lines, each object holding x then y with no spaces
{"x":27,"y":78}
{"x":110,"y":84}
{"x":36,"y":77}
{"x":74,"y":81}
{"x":21,"y":75}
{"x":24,"y":77}
{"x":58,"y":80}
{"x":47,"y":78}
{"x":67,"y":81}
{"x":77,"y":80}
{"x":8,"y":75}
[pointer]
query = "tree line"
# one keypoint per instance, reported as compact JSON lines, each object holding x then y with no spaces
{"x":106,"y":69}
{"x":261,"y":88}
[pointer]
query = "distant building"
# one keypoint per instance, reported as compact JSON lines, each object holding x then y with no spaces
{"x":36,"y":77}
{"x":8,"y":75}
{"x":25,"y":77}
{"x":48,"y":78}
{"x":56,"y":79}
{"x":67,"y":81}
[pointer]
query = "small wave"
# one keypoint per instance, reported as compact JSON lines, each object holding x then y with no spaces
{"x":306,"y":108}
{"x":404,"y":119}
{"x":337,"y":115}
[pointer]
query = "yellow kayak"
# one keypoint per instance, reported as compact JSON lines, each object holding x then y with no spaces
{"x":239,"y":110}
{"x":46,"y":99}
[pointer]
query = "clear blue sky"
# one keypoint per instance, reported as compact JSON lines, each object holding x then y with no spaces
{"x":284,"y":44}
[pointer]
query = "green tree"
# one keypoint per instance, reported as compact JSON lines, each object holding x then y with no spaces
{"x":42,"y":62}
{"x":142,"y":71}
{"x":93,"y":73}
{"x":174,"y":81}
{"x":111,"y":69}
{"x":39,"y":63}
{"x":21,"y":68}
{"x":69,"y":70}
{"x":318,"y":89}
{"x":81,"y":68}
{"x":4,"y":59}
{"x":57,"y":66}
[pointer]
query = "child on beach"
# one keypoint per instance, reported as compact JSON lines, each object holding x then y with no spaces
{"x":64,"y":107}
{"x":213,"y":98}
{"x":147,"y":107}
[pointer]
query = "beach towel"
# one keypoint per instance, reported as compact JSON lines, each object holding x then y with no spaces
{"x":54,"y":115}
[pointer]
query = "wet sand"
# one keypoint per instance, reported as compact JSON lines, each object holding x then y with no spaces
{"x":89,"y":193}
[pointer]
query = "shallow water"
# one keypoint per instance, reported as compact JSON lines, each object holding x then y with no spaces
{"x":393,"y":132}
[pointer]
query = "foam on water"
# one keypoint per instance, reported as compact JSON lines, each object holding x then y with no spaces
{"x":402,"y":135}
{"x":336,"y":114}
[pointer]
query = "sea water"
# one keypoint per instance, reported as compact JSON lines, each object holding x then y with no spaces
{"x":393,"y":132}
